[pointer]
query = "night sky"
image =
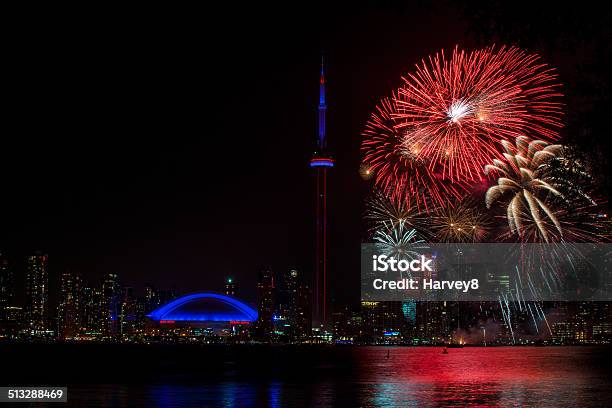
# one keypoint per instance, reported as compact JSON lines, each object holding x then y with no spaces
{"x":171,"y":146}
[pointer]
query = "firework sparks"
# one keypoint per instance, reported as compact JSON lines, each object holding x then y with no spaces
{"x":460,"y":223}
{"x":575,"y":224}
{"x":383,"y":211}
{"x":365,"y":172}
{"x":397,"y":169}
{"x":547,"y":203}
{"x":520,"y":176}
{"x":454,"y":112}
{"x":398,"y":241}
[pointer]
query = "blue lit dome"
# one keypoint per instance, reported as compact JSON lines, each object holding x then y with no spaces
{"x":209,"y":307}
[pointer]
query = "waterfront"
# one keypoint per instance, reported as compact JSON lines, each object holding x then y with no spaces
{"x":315,"y":376}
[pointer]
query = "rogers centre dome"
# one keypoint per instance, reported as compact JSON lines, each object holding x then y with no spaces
{"x":204,"y":308}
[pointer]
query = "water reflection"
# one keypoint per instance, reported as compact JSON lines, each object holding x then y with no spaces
{"x":485,"y":376}
{"x":410,"y":377}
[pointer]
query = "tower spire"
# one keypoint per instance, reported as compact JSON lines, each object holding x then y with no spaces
{"x":322,"y":143}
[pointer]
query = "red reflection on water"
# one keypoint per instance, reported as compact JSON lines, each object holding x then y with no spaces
{"x":483,"y":376}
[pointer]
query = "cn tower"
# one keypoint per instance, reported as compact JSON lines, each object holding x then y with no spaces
{"x":321,"y":163}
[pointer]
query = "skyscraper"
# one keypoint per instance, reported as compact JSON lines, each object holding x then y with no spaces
{"x":37,"y":287}
{"x":295,"y":304}
{"x":289,"y":291}
{"x":110,"y":305}
{"x":266,"y":302}
{"x":127,"y":312}
{"x":7,"y":286}
{"x":89,"y":305}
{"x":68,"y":316}
{"x":384,"y":322}
{"x":321,"y":162}
{"x":151,"y":299}
{"x":303,"y":318}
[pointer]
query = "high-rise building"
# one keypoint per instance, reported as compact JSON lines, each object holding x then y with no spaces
{"x":430,"y":322}
{"x":151,"y":299}
{"x":409,"y":311}
{"x":286,"y":295}
{"x":321,"y":162}
{"x":348,"y":325}
{"x":90,"y":312}
{"x":7,"y":286}
{"x":37,"y":287}
{"x":384,"y":322}
{"x":303,"y":321}
{"x":110,"y":305}
{"x":295,"y":305}
{"x":230,"y":287}
{"x":128,"y":313}
{"x":11,"y":323}
{"x":141,"y":314}
{"x":68,"y":308}
{"x":369,"y":321}
{"x":266,"y":302}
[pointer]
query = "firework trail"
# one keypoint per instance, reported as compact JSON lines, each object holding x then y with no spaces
{"x":453,"y":112}
{"x":546,"y":198}
{"x":399,"y":241}
{"x":397,"y":170}
{"x":520,"y":177}
{"x":384,"y":211}
{"x":461,"y":222}
{"x":365,"y":172}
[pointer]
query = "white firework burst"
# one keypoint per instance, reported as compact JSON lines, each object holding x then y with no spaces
{"x":523,"y":178}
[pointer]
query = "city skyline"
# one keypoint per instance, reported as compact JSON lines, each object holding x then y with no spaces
{"x":109,"y":311}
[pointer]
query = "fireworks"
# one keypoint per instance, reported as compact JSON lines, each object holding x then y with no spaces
{"x":365,"y":172}
{"x":399,"y":241}
{"x":452,"y":113}
{"x":460,"y":223}
{"x":398,"y":171}
{"x":426,"y":146}
{"x":546,"y":202}
{"x":432,"y":138}
{"x":574,"y":224}
{"x":383,"y":211}
{"x":520,"y":176}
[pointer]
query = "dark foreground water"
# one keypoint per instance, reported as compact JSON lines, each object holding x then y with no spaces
{"x":166,"y":376}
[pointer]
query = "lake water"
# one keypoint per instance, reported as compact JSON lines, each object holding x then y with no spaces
{"x":167,"y":376}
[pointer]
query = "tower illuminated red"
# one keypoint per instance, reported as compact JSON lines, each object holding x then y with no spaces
{"x":321,"y":162}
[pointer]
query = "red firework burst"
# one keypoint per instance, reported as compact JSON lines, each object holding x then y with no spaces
{"x":397,"y":170}
{"x":452,"y":113}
